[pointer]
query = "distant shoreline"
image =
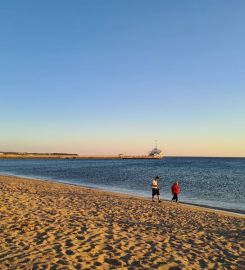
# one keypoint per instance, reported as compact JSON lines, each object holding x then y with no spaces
{"x":68,"y":156}
{"x":76,"y":156}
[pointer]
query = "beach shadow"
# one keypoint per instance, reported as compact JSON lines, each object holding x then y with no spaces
{"x":54,"y":267}
{"x":174,"y":268}
{"x":69,"y":252}
{"x":69,"y":243}
{"x":40,"y":238}
{"x":78,"y":267}
{"x":62,"y":262}
{"x":58,"y":250}
{"x":113,"y":262}
{"x":203,"y":264}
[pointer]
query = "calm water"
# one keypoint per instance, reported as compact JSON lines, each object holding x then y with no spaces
{"x":216,"y":182}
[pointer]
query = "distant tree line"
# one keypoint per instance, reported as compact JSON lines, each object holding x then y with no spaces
{"x":47,"y":154}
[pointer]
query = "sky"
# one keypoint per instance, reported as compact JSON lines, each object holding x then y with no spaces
{"x":109,"y":77}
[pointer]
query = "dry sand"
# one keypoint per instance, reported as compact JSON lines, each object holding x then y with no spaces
{"x":45,"y":225}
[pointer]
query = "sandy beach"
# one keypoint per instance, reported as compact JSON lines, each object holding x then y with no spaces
{"x":46,"y":225}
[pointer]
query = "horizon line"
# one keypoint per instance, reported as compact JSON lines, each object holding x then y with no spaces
{"x":89,"y":156}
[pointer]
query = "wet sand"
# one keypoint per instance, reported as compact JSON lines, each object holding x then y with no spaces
{"x":46,"y":225}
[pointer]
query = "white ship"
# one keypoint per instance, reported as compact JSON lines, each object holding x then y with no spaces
{"x":155,"y":152}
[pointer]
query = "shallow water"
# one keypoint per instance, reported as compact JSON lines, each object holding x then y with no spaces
{"x":215,"y":182}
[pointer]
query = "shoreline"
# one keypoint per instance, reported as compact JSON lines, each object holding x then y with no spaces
{"x":53,"y":225}
{"x":76,"y":156}
{"x":73,"y":157}
{"x":202,"y":206}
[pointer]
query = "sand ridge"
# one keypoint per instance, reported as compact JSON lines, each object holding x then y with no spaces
{"x":45,"y":225}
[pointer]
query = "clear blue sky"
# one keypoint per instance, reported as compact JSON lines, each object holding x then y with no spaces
{"x":109,"y":77}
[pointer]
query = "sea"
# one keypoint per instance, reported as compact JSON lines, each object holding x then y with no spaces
{"x":211,"y":182}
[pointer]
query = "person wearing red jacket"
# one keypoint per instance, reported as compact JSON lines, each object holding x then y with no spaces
{"x":175,"y":191}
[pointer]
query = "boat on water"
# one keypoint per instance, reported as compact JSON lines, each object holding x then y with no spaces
{"x":155,"y":153}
